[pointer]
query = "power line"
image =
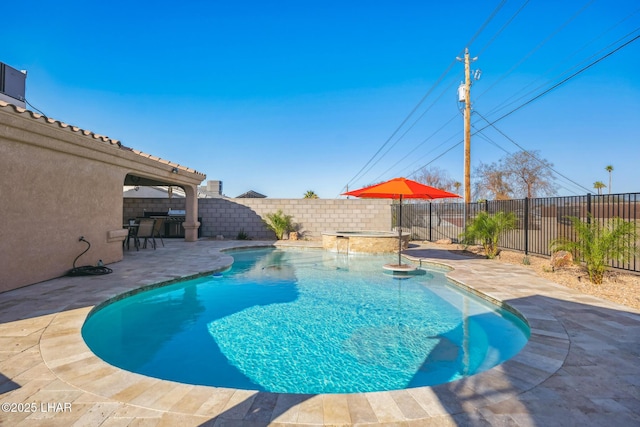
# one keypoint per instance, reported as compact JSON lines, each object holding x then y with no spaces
{"x":491,"y":124}
{"x":505,"y":105}
{"x":535,"y":49}
{"x":406,"y":119}
{"x":486,"y":22}
{"x":444,"y":74}
{"x":436,"y":158}
{"x":418,"y":146}
{"x":582,"y":70}
{"x":492,"y":142}
{"x":546,"y":165}
{"x":446,"y":90}
{"x":495,"y":36}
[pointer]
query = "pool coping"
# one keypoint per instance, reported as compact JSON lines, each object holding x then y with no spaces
{"x":70,"y":361}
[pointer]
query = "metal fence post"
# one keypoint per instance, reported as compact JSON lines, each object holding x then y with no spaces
{"x":526,"y":226}
{"x":588,"y":208}
{"x":430,"y":224}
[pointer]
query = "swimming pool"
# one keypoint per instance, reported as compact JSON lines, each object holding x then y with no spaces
{"x":305,"y":322}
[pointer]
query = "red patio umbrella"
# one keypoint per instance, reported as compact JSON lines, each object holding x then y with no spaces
{"x":400,"y":188}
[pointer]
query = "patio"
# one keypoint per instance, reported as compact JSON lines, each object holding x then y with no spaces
{"x":580,"y":366}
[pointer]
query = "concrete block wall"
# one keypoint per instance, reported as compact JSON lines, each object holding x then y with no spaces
{"x":227,"y":217}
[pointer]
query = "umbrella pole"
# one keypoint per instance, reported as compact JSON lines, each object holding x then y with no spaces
{"x":400,"y":234}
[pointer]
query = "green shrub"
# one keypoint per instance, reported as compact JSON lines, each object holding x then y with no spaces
{"x":596,"y":243}
{"x":242,"y":235}
{"x":279,"y":223}
{"x":486,"y":229}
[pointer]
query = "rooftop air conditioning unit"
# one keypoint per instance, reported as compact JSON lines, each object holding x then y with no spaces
{"x":12,"y":85}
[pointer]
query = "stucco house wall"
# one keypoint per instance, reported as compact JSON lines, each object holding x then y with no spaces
{"x":59,"y":182}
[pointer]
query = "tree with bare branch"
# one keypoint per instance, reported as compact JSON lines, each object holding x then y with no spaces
{"x":518,"y":175}
{"x":435,"y":177}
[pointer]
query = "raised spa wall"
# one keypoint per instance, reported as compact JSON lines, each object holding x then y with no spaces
{"x":363,"y":241}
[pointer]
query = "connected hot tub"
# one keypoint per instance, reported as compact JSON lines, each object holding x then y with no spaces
{"x":363,"y":241}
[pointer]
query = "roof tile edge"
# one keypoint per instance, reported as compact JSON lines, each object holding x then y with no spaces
{"x":84,"y":132}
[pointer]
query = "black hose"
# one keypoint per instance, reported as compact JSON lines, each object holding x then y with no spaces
{"x":87,"y":270}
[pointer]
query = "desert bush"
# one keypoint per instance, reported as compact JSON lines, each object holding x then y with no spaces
{"x":487,"y":229}
{"x":279,"y":223}
{"x":242,"y":235}
{"x":597,"y":243}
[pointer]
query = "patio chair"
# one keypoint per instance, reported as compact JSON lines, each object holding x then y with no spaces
{"x":145,"y":231}
{"x":132,"y":226}
{"x":158,"y":229}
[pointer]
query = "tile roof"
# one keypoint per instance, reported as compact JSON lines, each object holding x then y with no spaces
{"x":90,"y":134}
{"x":251,"y":195}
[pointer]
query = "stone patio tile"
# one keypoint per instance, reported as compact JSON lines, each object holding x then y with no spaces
{"x":12,"y":418}
{"x":262,"y":407}
{"x":18,"y":344}
{"x":336,"y":409}
{"x":212,"y":406}
{"x":580,"y":367}
{"x":39,"y":371}
{"x":525,"y":376}
{"x":477,"y":420}
{"x":112,"y":384}
{"x":311,"y":411}
{"x":478,"y":390}
{"x":117,"y":422}
{"x":97,"y":414}
{"x":238,"y":405}
{"x":25,"y":327}
{"x":56,"y":396}
{"x":360,"y":410}
{"x":134,"y":390}
{"x":170,"y":419}
{"x":166,"y":401}
{"x":385,"y":408}
{"x":66,"y":359}
{"x":448,"y":397}
{"x":429,"y":401}
{"x":132,"y":412}
{"x":24,"y":392}
{"x":539,"y":361}
{"x":287,"y":407}
{"x":19,"y":363}
{"x":84,"y":371}
{"x":440,"y":421}
{"x":408,"y":405}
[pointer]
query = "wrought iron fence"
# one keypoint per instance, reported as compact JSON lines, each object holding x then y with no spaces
{"x":539,"y":221}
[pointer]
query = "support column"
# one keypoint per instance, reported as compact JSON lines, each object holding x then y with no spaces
{"x":191,"y":223}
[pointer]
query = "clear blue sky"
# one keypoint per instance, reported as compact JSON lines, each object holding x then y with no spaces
{"x":289,"y":96}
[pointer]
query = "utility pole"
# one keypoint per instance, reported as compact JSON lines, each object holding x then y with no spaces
{"x":464,"y":95}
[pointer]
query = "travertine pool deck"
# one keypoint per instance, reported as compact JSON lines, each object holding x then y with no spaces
{"x":581,"y":366}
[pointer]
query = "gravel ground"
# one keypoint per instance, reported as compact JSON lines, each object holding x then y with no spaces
{"x":620,"y":287}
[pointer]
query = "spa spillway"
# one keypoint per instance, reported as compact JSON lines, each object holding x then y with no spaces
{"x":363,"y":241}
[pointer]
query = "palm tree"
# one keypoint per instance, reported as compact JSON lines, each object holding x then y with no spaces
{"x":597,"y":242}
{"x":310,"y":195}
{"x":487,"y":229}
{"x":599,"y":185}
{"x":279,"y":223}
{"x":609,"y":169}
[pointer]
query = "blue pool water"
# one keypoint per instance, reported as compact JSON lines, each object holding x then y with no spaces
{"x":306,"y":322}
